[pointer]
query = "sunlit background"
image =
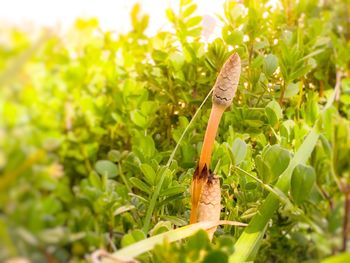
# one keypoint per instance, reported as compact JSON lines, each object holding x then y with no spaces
{"x":112,"y":14}
{"x":103,"y":116}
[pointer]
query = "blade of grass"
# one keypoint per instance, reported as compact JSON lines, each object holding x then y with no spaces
{"x":148,"y":244}
{"x":159,"y":185}
{"x":341,"y":258}
{"x":248,"y":243}
{"x":281,"y":196}
{"x":285,"y":200}
{"x":187,"y":128}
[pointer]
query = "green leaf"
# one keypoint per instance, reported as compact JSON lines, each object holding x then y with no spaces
{"x":161,"y":227}
{"x":250,"y":186}
{"x":287,"y":129}
{"x":274,"y":112}
{"x":52,"y":235}
{"x":163,"y":173}
{"x":149,"y":108}
{"x":133,"y":237}
{"x":123,"y":209}
{"x":114,"y":155}
{"x":136,"y":182}
{"x":193,"y":21}
{"x":144,"y":146}
{"x":172,"y":191}
{"x":185,"y":2}
{"x":189,"y":10}
{"x":311,"y":110}
{"x":199,"y":241}
{"x":291,"y":90}
{"x":149,"y":173}
{"x":326,"y":146}
{"x":232,"y":37}
{"x":277,"y":159}
{"x":178,"y":221}
{"x":239,"y":150}
{"x":138,"y":118}
{"x":270,"y":64}
{"x":188,"y":154}
{"x":170,"y":15}
{"x":263,"y":169}
{"x":302,"y":181}
{"x":138,"y":21}
{"x":177,"y":60}
{"x":95,"y":180}
{"x":105,"y":167}
{"x":216,"y":256}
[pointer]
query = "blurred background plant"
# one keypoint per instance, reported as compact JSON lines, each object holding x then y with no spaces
{"x":89,"y":120}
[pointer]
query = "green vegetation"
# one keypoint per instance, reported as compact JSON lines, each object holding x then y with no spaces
{"x":97,"y":146}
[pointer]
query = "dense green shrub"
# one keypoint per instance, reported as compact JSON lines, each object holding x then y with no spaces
{"x":89,"y":120}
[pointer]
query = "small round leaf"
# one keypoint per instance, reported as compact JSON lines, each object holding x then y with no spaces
{"x":105,"y":167}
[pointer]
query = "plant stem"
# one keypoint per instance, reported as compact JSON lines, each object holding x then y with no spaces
{"x":210,"y":134}
{"x":126,"y":182}
{"x":187,"y":128}
{"x":338,"y":76}
{"x":155,"y":195}
{"x":153,"y":201}
{"x":346,"y":191}
{"x":282,"y":93}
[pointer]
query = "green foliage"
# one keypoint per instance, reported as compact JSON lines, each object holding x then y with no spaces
{"x":302,"y":181}
{"x":273,"y":161}
{"x":106,"y":168}
{"x":273,"y":112}
{"x":90,"y":121}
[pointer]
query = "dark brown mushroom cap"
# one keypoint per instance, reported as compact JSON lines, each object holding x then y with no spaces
{"x":226,"y":83}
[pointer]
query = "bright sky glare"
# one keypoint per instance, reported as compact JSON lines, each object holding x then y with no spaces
{"x":112,"y":14}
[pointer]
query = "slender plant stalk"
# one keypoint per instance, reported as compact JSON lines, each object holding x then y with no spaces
{"x":171,"y":158}
{"x":209,"y":137}
{"x":155,"y":195}
{"x":346,"y":192}
{"x":125,"y":181}
{"x":223,"y":93}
